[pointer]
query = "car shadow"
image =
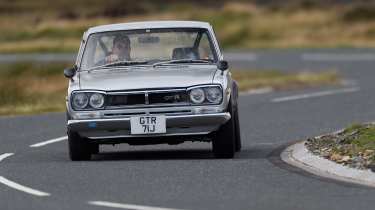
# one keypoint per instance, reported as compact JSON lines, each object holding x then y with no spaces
{"x":253,"y":152}
{"x":154,"y":155}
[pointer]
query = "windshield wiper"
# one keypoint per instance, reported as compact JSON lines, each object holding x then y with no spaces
{"x":119,"y":63}
{"x":182,"y":61}
{"x":125,"y":63}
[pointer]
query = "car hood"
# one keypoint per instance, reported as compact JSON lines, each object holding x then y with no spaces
{"x":146,"y":78}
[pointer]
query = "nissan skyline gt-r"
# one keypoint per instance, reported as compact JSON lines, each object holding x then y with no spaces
{"x":151,"y":83}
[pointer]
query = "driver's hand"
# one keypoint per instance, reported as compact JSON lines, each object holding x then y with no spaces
{"x":111,"y":58}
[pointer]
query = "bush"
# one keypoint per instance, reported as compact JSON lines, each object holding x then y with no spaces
{"x":359,"y":13}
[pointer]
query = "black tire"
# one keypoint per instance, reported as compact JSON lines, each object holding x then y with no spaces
{"x":237,"y":131}
{"x":79,"y":148}
{"x":94,"y":148}
{"x":224,"y":142}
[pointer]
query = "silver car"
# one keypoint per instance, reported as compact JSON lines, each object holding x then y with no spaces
{"x":151,"y":83}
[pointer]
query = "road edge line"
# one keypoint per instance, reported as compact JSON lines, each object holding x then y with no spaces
{"x":257,"y":91}
{"x":44,"y":143}
{"x":22,"y":188}
{"x":315,"y":94}
{"x":5,"y":155}
{"x":126,"y":206}
{"x":17,"y":186}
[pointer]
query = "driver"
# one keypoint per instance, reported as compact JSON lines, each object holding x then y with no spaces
{"x":120,"y":49}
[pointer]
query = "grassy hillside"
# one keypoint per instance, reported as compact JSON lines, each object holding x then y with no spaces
{"x":41,"y":26}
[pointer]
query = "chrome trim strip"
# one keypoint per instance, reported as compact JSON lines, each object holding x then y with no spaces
{"x":203,"y":86}
{"x":145,"y":135}
{"x":88,"y":91}
{"x":106,"y":115}
{"x":147,"y":101}
{"x":223,"y":114}
{"x":171,"y":112}
{"x":144,"y":91}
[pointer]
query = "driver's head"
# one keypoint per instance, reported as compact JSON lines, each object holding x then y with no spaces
{"x":121,"y":47}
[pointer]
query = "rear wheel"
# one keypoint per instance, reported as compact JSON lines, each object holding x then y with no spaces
{"x":224,"y":142}
{"x":79,"y":148}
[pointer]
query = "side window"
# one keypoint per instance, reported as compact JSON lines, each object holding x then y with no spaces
{"x":204,"y":48}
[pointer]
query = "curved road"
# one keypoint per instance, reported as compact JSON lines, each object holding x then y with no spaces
{"x":186,"y":176}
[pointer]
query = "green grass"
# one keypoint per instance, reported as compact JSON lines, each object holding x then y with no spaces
{"x":31,"y":88}
{"x":364,"y":138}
{"x":359,"y":142}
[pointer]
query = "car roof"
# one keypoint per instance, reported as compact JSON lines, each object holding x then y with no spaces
{"x":148,"y":25}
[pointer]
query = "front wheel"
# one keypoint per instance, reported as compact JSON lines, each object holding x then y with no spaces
{"x":224,"y":142}
{"x":79,"y":148}
{"x":237,"y":131}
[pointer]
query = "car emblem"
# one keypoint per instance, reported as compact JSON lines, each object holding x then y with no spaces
{"x":172,"y":97}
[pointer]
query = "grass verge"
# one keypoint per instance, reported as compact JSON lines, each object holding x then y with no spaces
{"x":31,"y":88}
{"x":44,"y":27}
{"x":354,"y":147}
{"x":277,"y":80}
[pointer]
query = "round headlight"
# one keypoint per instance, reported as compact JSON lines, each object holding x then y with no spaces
{"x":96,"y":100}
{"x":197,"y":96}
{"x":214,"y":94}
{"x":80,"y":100}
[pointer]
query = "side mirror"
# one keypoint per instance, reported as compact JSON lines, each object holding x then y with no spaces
{"x":70,"y":72}
{"x":223,"y":65}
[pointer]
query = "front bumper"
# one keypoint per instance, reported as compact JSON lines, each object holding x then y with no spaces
{"x":194,"y":124}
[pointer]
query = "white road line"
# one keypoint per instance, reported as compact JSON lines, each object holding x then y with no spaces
{"x":240,"y":56}
{"x":19,"y":187}
{"x":126,"y":206}
{"x":338,"y":56}
{"x":349,"y":82}
{"x":5,"y":155}
{"x":40,"y":144}
{"x":257,"y":91}
{"x":316,"y":94}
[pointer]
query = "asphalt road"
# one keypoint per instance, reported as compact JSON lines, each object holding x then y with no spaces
{"x":186,"y":176}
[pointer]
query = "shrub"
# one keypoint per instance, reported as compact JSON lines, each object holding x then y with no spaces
{"x":359,"y":13}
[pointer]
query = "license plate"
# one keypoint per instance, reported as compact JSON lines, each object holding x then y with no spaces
{"x":147,"y":124}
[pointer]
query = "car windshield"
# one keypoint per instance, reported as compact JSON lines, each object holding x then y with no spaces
{"x":148,"y":47}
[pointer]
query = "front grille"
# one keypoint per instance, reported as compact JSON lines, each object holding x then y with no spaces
{"x":174,"y":97}
{"x":125,"y":100}
{"x":147,"y":98}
